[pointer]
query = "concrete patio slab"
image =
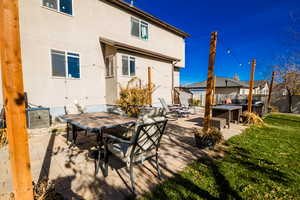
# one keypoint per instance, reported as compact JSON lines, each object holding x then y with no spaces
{"x":72,"y":169}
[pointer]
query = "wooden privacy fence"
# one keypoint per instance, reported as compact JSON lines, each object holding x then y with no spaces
{"x":281,"y":102}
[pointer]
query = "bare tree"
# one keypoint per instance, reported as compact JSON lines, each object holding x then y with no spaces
{"x":288,"y":64}
{"x":288,"y":74}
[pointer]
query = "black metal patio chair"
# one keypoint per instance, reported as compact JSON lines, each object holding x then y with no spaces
{"x":143,"y":145}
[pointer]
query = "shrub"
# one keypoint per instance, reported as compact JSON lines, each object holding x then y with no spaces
{"x":196,"y":102}
{"x":207,"y":138}
{"x":3,"y":138}
{"x":253,"y":119}
{"x":133,"y":97}
{"x":45,"y":190}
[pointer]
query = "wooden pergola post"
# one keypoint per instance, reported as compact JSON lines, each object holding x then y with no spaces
{"x":210,"y":80}
{"x":251,"y":85}
{"x":150,"y":86}
{"x":214,"y":91}
{"x":14,"y":100}
{"x":270,"y":90}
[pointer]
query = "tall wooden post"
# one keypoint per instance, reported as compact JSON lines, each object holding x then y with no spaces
{"x":209,"y":83}
{"x":14,"y":100}
{"x":214,"y":91}
{"x":251,"y":85}
{"x":150,"y":86}
{"x":270,"y":90}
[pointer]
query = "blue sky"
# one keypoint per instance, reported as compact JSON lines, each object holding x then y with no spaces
{"x":249,"y":28}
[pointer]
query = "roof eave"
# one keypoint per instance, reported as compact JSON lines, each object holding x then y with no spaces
{"x":126,"y":47}
{"x":149,"y":17}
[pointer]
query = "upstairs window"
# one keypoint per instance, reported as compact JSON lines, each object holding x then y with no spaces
{"x":139,"y":29}
{"x":144,"y":31}
{"x":135,"y":27}
{"x":128,"y":66}
{"x":65,"y":64}
{"x":64,"y":6}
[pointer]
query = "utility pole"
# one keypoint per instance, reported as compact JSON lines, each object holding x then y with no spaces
{"x":14,"y":99}
{"x":251,"y":85}
{"x":150,"y":86}
{"x":270,"y":90}
{"x":210,"y":80}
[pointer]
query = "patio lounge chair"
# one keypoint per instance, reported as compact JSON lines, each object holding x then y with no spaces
{"x":178,"y":110}
{"x":143,"y":145}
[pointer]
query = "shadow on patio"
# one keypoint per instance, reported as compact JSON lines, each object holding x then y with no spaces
{"x":73,"y":170}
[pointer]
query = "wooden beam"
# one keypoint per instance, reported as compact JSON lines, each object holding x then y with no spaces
{"x":251,"y":85}
{"x":14,"y":100}
{"x":150,"y":85}
{"x":210,"y":80}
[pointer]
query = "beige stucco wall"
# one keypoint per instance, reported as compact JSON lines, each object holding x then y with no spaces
{"x":176,"y":77}
{"x":43,"y":29}
{"x":161,"y":75}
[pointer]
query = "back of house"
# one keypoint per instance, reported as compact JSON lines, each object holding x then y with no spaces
{"x":82,"y":51}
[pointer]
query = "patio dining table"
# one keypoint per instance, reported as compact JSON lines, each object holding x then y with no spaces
{"x":228,"y":112}
{"x":95,"y":123}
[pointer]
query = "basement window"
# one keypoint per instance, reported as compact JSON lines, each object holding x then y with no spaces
{"x":64,"y":6}
{"x":128,"y":66}
{"x":139,"y":29}
{"x":65,"y":64}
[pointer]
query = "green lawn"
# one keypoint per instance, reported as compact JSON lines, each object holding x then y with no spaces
{"x":262,"y":163}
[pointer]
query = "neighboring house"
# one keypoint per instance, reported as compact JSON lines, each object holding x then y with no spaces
{"x":228,"y":87}
{"x":82,"y":50}
{"x":261,"y":87}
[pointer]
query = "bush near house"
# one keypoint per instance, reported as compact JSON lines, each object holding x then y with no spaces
{"x":262,"y":163}
{"x":196,"y":102}
{"x":134,"y":96}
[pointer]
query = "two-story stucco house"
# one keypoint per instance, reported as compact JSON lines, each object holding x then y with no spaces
{"x":81,"y":50}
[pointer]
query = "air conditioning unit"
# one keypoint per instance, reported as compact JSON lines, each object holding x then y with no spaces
{"x":38,"y":117}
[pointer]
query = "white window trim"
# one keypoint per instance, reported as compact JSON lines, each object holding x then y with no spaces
{"x":58,"y":8}
{"x":66,"y":65}
{"x":113,"y":66}
{"x":140,"y":28}
{"x":128,"y":58}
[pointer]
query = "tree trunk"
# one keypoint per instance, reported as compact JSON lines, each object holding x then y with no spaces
{"x":290,"y":96}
